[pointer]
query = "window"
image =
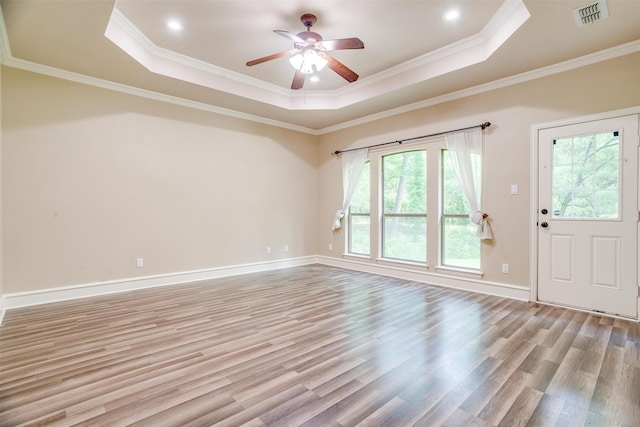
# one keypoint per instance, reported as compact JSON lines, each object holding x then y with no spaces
{"x":459,"y":245}
{"x":586,"y":176}
{"x":388,"y":220}
{"x":404,"y":206}
{"x":360,"y":215}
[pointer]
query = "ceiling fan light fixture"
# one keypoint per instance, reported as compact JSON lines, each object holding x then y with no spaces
{"x":310,"y":53}
{"x":308,"y":61}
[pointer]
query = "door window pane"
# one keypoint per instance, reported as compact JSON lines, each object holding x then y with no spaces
{"x":586,"y":176}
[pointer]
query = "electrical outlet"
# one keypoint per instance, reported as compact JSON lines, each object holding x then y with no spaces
{"x":505,"y":268}
{"x":268,"y":249}
{"x":139,"y":262}
{"x":286,"y":248}
{"x":330,"y":246}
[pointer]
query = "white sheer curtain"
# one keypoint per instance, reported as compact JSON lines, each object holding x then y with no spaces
{"x":465,"y":149}
{"x":352,"y":165}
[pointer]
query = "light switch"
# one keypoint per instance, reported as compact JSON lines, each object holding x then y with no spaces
{"x":514,"y":188}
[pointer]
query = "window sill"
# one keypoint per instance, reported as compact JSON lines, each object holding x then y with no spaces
{"x":395,"y":262}
{"x":357,"y":257}
{"x":475,"y":274}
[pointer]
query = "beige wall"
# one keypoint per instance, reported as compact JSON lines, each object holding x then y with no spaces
{"x":1,"y":240}
{"x":512,"y":110}
{"x":94,"y":179}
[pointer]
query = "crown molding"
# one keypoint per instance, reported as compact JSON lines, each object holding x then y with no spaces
{"x":143,"y":93}
{"x":472,"y":50}
{"x":5,"y":48}
{"x":7,"y":59}
{"x":604,"y":55}
{"x":511,"y":15}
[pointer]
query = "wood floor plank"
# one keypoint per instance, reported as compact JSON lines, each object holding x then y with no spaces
{"x":547,"y":412}
{"x":519,"y":412}
{"x":444,"y":408}
{"x":505,"y":398}
{"x":315,"y":346}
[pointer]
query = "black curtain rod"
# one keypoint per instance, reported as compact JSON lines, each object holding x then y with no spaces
{"x":483,"y":126}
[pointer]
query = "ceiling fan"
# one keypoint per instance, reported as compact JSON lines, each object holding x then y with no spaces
{"x":309,"y":54}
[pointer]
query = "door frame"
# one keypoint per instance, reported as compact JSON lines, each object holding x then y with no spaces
{"x":534,"y":186}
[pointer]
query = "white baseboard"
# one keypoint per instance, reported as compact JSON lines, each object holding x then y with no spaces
{"x":448,"y":281}
{"x":25,"y":299}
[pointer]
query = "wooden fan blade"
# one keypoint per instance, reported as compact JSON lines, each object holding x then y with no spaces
{"x":342,"y":70}
{"x":270,"y":57}
{"x":298,"y":80}
{"x":294,"y":38}
{"x":338,"y":44}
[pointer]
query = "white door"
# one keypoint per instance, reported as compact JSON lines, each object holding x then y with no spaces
{"x":588,"y":215}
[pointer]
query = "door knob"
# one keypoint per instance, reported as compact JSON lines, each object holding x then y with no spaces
{"x":544,"y":224}
{"x":544,"y":211}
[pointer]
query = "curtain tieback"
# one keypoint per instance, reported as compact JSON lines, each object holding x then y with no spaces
{"x":336,"y":219}
{"x":478,"y":217}
{"x":484,"y":229}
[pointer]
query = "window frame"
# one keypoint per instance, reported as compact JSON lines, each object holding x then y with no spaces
{"x":383,"y":215}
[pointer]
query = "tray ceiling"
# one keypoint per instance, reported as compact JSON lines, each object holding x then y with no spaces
{"x":413,"y":56}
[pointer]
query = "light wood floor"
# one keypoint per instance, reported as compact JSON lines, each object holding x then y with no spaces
{"x":315,"y":346}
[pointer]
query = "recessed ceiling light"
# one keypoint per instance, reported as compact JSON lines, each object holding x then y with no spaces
{"x":174,"y":24}
{"x":314,"y":78}
{"x":452,"y":15}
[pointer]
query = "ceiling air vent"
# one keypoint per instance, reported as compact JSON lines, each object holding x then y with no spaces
{"x":593,"y":12}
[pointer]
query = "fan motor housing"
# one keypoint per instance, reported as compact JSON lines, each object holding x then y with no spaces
{"x":310,"y":36}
